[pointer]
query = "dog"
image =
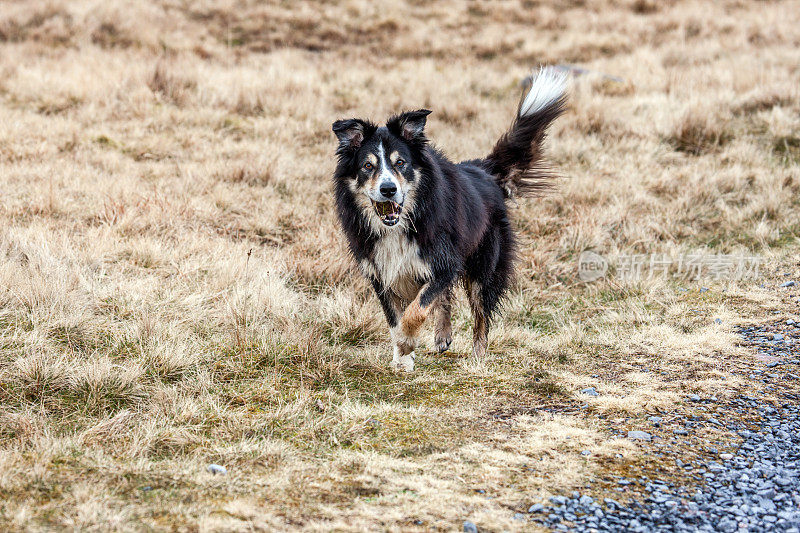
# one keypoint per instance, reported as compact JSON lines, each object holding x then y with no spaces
{"x":418,"y":223}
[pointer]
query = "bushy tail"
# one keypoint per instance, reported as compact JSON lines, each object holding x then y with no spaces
{"x":516,"y":160}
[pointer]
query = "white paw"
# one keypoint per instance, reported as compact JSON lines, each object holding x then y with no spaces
{"x":403,"y":350}
{"x":404,"y":363}
{"x":403,"y":344}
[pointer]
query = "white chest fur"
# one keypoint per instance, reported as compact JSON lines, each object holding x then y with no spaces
{"x":396,"y":262}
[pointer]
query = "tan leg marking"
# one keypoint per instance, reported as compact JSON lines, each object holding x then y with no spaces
{"x":404,"y":335}
{"x":414,"y":316}
{"x":402,"y":346}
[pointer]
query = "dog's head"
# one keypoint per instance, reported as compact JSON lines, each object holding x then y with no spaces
{"x":381,"y":165}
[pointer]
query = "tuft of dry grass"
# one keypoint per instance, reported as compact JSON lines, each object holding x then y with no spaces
{"x":699,"y":132}
{"x":174,"y":291}
{"x":170,"y":86}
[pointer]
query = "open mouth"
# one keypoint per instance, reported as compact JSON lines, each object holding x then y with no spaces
{"x":389,"y":212}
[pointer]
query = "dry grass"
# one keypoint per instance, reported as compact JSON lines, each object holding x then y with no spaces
{"x":174,"y":291}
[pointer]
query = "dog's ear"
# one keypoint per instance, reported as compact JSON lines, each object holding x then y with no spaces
{"x":352,"y":132}
{"x":409,"y":125}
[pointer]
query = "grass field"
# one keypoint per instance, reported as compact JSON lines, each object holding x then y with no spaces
{"x":174,"y":291}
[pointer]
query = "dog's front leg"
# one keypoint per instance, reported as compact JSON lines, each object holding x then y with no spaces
{"x":402,"y":345}
{"x":403,"y":350}
{"x":404,"y":335}
{"x":412,"y":320}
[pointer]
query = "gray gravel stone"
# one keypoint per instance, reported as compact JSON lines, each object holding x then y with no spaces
{"x":728,"y":525}
{"x":469,"y":527}
{"x":756,"y":488}
{"x":639,"y":435}
{"x":217,"y":469}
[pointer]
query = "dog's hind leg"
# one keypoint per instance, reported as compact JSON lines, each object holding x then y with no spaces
{"x":484,"y":297}
{"x":487,"y":278}
{"x":480,"y":327}
{"x":443,"y":330}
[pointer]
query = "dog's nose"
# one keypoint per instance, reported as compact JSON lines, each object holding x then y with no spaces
{"x":388,"y":189}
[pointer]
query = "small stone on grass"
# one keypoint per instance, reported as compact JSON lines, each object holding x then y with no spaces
{"x":639,"y":435}
{"x":217,"y":469}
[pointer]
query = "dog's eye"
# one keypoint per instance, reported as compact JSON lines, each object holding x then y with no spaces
{"x":368,"y":166}
{"x":400,"y":163}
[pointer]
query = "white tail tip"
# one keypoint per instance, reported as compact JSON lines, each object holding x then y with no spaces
{"x":548,"y":86}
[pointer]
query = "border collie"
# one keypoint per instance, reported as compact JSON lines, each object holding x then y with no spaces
{"x":417,"y":223}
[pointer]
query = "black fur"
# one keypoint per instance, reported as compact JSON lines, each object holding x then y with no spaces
{"x":459,"y":219}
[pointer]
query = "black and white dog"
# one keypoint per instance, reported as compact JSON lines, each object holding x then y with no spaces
{"x":417,"y":223}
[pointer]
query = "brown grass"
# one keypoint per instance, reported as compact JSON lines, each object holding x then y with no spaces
{"x":699,"y":133}
{"x":174,"y":291}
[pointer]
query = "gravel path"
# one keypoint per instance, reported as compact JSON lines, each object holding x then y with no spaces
{"x":757,"y":488}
